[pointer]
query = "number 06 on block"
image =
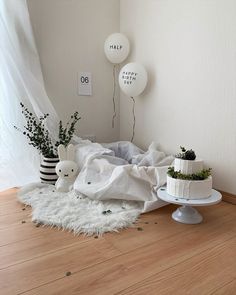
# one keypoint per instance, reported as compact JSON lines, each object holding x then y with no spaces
{"x":84,"y":83}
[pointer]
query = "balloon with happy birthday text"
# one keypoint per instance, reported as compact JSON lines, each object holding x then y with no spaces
{"x":116,"y":48}
{"x":133,"y":79}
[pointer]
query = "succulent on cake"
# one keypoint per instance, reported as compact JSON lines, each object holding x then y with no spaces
{"x":186,"y":154}
{"x":201,"y":175}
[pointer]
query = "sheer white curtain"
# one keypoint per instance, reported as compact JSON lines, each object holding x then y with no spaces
{"x":20,"y":81}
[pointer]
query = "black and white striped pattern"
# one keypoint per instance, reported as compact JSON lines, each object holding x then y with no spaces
{"x":47,"y":170}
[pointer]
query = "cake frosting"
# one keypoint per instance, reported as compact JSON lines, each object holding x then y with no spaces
{"x":188,"y":166}
{"x":191,"y":188}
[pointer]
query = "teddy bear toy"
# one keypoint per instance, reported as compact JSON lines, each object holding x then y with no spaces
{"x":66,"y":169}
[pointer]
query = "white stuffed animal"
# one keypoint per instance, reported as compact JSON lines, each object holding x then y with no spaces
{"x":66,"y":169}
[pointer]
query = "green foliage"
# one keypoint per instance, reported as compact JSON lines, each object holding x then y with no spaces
{"x":204,"y":174}
{"x":66,"y":133}
{"x":38,"y":135}
{"x":186,"y":154}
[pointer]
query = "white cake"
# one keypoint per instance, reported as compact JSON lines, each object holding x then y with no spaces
{"x":189,"y":189}
{"x":188,"y":166}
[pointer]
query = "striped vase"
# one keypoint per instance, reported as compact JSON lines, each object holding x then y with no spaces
{"x":47,"y":170}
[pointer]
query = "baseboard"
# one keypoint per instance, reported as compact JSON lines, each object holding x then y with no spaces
{"x":227,"y":197}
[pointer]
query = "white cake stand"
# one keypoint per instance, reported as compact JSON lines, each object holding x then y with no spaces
{"x":186,"y":213}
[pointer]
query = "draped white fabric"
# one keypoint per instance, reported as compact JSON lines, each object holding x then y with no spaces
{"x":20,"y":81}
{"x":121,"y":171}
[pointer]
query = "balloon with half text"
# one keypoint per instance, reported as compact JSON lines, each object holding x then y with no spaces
{"x":116,"y":48}
{"x":133,"y":79}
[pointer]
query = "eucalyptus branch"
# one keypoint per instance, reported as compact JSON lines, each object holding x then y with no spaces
{"x":38,"y":135}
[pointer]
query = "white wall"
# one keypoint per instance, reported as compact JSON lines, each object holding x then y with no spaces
{"x":70,"y":35}
{"x":189,"y":50}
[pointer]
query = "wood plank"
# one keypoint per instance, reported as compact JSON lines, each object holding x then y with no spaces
{"x":22,"y":232}
{"x":54,"y":240}
{"x":37,"y":246}
{"x":209,"y":271}
{"x":35,"y":260}
{"x":230,"y":198}
{"x":15,"y":219}
{"x":10,"y":206}
{"x":161,"y":225}
{"x":121,"y":272}
{"x":227,"y":289}
{"x":8,"y":194}
{"x":21,"y":277}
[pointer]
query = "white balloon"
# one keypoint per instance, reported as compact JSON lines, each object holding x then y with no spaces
{"x":116,"y":48}
{"x":133,"y":79}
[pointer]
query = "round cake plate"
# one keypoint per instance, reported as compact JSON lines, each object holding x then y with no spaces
{"x":186,"y":213}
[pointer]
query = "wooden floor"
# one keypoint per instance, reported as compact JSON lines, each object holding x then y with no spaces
{"x":158,"y":256}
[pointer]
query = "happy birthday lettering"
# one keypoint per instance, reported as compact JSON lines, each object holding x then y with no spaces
{"x":129,"y":77}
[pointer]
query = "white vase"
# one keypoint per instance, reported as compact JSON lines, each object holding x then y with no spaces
{"x":47,"y":170}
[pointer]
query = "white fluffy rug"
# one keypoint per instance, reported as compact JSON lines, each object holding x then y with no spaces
{"x":74,"y":212}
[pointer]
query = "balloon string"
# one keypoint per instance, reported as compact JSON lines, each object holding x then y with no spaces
{"x":113,"y":96}
{"x":134,"y":121}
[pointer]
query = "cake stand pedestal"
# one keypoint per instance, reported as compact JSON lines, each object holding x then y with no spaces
{"x":186,"y":213}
